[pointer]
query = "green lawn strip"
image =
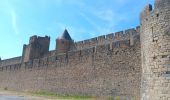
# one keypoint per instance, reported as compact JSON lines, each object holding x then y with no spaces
{"x":62,"y":96}
{"x":53,"y":95}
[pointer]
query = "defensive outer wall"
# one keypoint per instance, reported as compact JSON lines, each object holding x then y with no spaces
{"x":131,"y":64}
{"x":108,"y":69}
{"x":155,"y":51}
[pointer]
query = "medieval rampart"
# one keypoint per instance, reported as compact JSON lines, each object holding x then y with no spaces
{"x":111,"y":69}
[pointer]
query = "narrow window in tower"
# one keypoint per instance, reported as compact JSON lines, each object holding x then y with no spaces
{"x":94,"y":49}
{"x":56,"y":58}
{"x":62,"y":44}
{"x":154,"y":39}
{"x":157,"y":15}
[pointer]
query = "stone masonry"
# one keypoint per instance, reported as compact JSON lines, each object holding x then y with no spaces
{"x":133,"y":64}
{"x":155,"y":51}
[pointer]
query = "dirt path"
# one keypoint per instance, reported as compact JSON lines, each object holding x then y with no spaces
{"x":10,"y":95}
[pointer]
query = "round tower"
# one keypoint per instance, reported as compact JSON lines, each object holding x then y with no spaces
{"x":155,"y":51}
{"x":64,"y":43}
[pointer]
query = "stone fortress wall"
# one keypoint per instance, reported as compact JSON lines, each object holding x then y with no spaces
{"x":109,"y":38}
{"x":116,"y":40}
{"x":155,"y":51}
{"x":12,"y":61}
{"x":106,"y":69}
{"x":131,"y":64}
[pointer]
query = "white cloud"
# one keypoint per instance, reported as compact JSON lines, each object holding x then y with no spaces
{"x":106,"y":15}
{"x":14,"y":22}
{"x":8,"y":8}
{"x":91,"y":22}
{"x":98,"y":29}
{"x":106,"y":27}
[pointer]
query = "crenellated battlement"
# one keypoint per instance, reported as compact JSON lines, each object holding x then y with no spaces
{"x":63,"y":59}
{"x":132,"y":64}
{"x":109,"y":38}
{"x":146,"y":11}
{"x":150,"y":14}
{"x":36,"y":38}
{"x":33,"y":39}
{"x":11,"y":61}
{"x":116,"y":40}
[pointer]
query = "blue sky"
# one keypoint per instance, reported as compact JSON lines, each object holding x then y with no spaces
{"x":20,"y":19}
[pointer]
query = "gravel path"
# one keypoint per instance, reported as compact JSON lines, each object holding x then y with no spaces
{"x":7,"y":95}
{"x":3,"y":97}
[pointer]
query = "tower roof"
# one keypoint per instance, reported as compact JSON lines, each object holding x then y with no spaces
{"x":65,"y":35}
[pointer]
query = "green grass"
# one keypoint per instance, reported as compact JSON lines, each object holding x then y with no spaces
{"x":55,"y":95}
{"x":71,"y":97}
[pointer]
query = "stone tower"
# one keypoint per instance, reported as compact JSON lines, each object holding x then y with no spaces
{"x":155,"y":51}
{"x":64,"y":43}
{"x":37,"y":47}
